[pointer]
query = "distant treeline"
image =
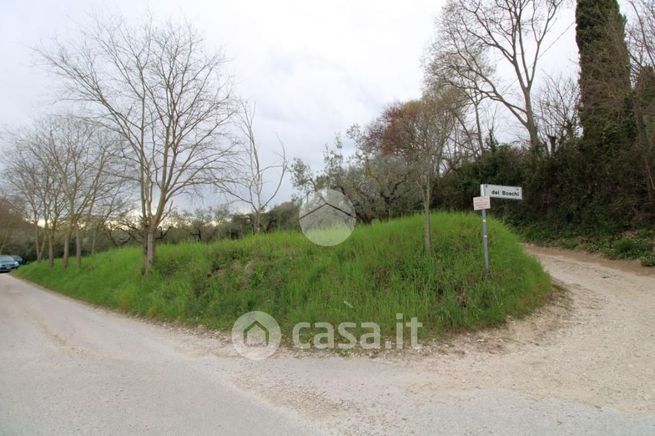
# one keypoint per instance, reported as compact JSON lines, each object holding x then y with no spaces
{"x":201,"y":225}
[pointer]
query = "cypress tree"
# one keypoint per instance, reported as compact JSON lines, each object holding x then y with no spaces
{"x":606,"y":93}
{"x":606,"y":112}
{"x":644,"y":153}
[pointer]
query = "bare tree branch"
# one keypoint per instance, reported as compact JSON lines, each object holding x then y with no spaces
{"x":168,"y":99}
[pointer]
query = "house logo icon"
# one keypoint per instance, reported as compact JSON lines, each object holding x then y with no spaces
{"x":256,"y":335}
{"x":327,"y":217}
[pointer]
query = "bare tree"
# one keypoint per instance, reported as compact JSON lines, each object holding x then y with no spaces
{"x":166,"y":96}
{"x":23,"y":176}
{"x":10,"y":220}
{"x":80,"y":153}
{"x":444,"y":67}
{"x":477,"y":35}
{"x":107,"y":210}
{"x":31,"y":171}
{"x":250,"y":187}
{"x":641,"y":34}
{"x":558,"y":104}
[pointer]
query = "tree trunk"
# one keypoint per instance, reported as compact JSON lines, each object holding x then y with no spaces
{"x":93,"y":239}
{"x":67,"y":238}
{"x":531,"y":125}
{"x":149,"y":255}
{"x":650,"y":182}
{"x":43,"y":244}
{"x":37,"y":247}
{"x":51,"y":250}
{"x":427,"y":222}
{"x":78,"y":246}
{"x":258,"y":221}
{"x":478,"y":126}
{"x":42,"y":250}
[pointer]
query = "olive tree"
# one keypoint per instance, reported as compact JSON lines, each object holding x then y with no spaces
{"x":422,"y":131}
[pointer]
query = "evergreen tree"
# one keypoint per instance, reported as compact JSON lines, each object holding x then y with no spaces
{"x":643,"y":157}
{"x":606,"y":110}
{"x":606,"y":114}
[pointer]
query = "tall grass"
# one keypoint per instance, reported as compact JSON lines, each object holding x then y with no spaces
{"x":379,"y":271}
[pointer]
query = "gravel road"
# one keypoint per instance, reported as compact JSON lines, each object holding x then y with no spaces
{"x":584,"y":364}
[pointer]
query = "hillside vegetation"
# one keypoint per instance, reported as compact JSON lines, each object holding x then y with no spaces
{"x":378,"y":272}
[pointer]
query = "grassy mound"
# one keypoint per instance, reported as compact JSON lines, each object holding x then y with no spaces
{"x":379,"y":271}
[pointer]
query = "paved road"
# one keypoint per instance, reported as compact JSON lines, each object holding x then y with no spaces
{"x":67,"y":368}
{"x":582,"y":365}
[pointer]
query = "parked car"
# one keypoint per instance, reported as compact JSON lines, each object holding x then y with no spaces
{"x":18,"y":259}
{"x":8,"y":263}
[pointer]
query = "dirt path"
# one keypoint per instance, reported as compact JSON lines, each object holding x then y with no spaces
{"x":585,"y":364}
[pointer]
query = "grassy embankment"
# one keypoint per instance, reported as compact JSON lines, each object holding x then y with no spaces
{"x":379,"y":271}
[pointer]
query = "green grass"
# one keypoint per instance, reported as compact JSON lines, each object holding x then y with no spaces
{"x":379,"y":271}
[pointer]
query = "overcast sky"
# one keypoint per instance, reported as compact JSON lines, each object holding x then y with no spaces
{"x":313,"y":68}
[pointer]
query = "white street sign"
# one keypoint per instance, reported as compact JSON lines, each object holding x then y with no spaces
{"x":499,"y":191}
{"x":481,"y":203}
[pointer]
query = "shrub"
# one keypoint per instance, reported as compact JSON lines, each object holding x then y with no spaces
{"x":626,"y":248}
{"x":648,"y":260}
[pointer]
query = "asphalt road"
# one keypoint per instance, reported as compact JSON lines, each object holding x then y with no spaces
{"x":582,"y":365}
{"x":67,"y":368}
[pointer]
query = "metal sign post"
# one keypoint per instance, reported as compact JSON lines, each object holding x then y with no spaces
{"x":485,"y":242}
{"x":483,"y":203}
